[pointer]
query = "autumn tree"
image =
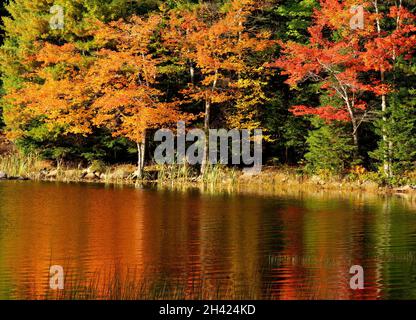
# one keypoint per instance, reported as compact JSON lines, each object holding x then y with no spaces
{"x":53,"y":97}
{"x":123,"y":83}
{"x":75,"y":93}
{"x":342,"y":59}
{"x":27,"y":27}
{"x":386,"y":54}
{"x":114,"y":88}
{"x":217,"y":49}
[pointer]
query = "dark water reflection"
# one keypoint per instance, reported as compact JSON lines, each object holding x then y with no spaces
{"x":279,"y":247}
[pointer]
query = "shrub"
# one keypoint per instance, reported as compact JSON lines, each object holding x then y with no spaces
{"x":330,"y":149}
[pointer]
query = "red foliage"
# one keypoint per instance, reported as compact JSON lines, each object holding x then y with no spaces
{"x":328,"y":113}
{"x":342,"y":59}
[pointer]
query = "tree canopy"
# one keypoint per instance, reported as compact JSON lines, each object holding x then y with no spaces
{"x":305,"y":72}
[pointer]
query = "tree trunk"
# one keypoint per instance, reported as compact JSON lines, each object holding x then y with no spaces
{"x":192,"y":73}
{"x":206,"y":129}
{"x":355,"y":139}
{"x":354,"y":126}
{"x":206,"y":126}
{"x":141,"y":148}
{"x":139,"y":172}
{"x":287,"y":155}
{"x":387,"y":143}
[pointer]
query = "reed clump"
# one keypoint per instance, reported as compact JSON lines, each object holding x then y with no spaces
{"x":180,"y":173}
{"x":18,"y":165}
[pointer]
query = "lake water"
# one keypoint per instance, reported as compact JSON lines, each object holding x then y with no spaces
{"x":199,"y":244}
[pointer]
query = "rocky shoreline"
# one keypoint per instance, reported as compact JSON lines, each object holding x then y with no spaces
{"x":268,"y":178}
{"x":4,"y":176}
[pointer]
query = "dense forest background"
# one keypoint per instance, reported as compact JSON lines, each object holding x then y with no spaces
{"x":249,"y":64}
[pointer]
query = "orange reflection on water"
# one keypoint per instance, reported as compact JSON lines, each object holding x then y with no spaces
{"x":196,"y":245}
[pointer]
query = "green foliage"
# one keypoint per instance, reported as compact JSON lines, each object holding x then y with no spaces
{"x":288,"y":133}
{"x":400,"y":128}
{"x":56,"y":146}
{"x":97,"y":166}
{"x":295,"y":17}
{"x":331,"y":150}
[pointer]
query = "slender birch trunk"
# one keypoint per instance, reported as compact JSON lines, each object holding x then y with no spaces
{"x":387,"y":143}
{"x":204,"y":164}
{"x":355,"y":125}
{"x":141,"y":148}
{"x":206,"y":130}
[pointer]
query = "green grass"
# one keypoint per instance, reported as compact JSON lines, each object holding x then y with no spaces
{"x":176,"y":173}
{"x":216,"y":174}
{"x":185,"y":174}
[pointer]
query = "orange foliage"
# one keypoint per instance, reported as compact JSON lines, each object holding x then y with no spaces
{"x":217,"y":48}
{"x":58,"y":98}
{"x":115,"y":88}
{"x":123,"y":80}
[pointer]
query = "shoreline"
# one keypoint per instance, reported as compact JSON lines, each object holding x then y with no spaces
{"x":269,"y":179}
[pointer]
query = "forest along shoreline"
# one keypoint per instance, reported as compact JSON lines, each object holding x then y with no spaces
{"x":331,"y":88}
{"x":16,"y":167}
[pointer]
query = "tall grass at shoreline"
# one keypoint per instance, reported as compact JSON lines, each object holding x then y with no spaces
{"x":214,"y":174}
{"x":179,"y":173}
{"x":178,"y":176}
{"x":219,"y":174}
{"x":18,"y":165}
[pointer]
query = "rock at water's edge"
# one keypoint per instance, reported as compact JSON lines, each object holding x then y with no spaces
{"x":90,"y":176}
